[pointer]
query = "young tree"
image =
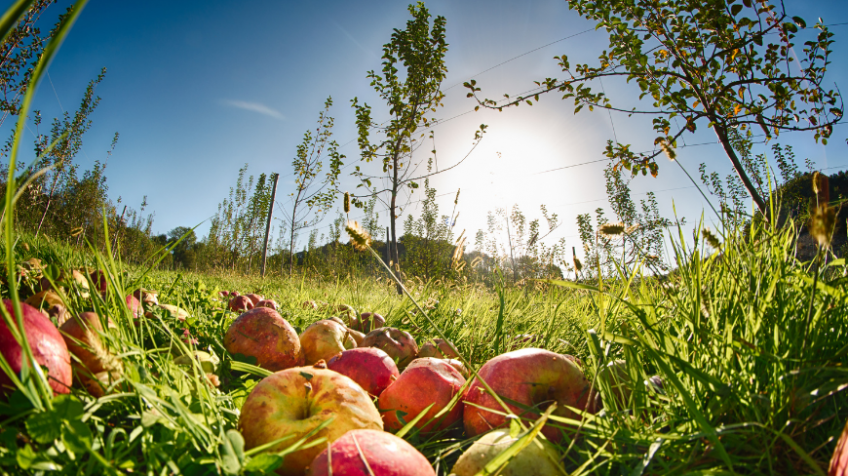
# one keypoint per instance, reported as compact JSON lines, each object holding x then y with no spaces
{"x":413,"y":70}
{"x":311,"y":200}
{"x":726,"y":64}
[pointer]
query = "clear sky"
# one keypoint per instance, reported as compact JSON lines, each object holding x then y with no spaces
{"x":197,"y":89}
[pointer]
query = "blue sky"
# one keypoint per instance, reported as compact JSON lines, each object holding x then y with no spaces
{"x":198,"y":89}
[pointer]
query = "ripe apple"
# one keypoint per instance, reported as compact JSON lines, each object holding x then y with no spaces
{"x":264,"y":334}
{"x":97,"y":368}
{"x":537,"y":458}
{"x":370,"y":452}
{"x":533,"y":378}
{"x":310,"y":304}
{"x":47,"y":346}
{"x":348,"y":313}
{"x":254,"y":298}
{"x":368,"y":321}
{"x":294,"y":402}
{"x":324,"y":339}
{"x":269,"y":303}
{"x":400,"y":345}
{"x":458,"y":365}
{"x":241,"y":303}
{"x":98,"y":277}
{"x":371,"y":368}
{"x":234,"y":294}
{"x":439,"y":349}
{"x":425,"y":381}
{"x":134,"y":306}
{"x":223,"y":293}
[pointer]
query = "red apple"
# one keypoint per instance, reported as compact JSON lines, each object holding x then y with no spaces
{"x":839,"y":461}
{"x":369,"y":321}
{"x":264,"y":334}
{"x":400,"y":345}
{"x":294,"y":402}
{"x":371,"y":368}
{"x":439,"y":349}
{"x":254,"y":298}
{"x":241,"y":303}
{"x":269,"y":303}
{"x":47,"y":346}
{"x":531,"y":377}
{"x":425,"y":381}
{"x":99,"y":279}
{"x":370,"y":453}
{"x":310,"y":304}
{"x":234,"y":294}
{"x":146,"y":297}
{"x":97,"y":367}
{"x":223,"y":293}
{"x":134,"y":306}
{"x":324,"y":339}
{"x":458,"y":365}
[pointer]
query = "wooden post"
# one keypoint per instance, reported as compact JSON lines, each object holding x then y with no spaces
{"x":268,"y":224}
{"x":118,"y":230}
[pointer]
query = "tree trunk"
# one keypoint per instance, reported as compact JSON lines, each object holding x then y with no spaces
{"x":740,"y":170}
{"x":291,"y":239}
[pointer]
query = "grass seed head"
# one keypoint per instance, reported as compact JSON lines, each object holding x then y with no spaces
{"x":612,"y":229}
{"x":360,"y":238}
{"x":347,"y":202}
{"x":711,"y":238}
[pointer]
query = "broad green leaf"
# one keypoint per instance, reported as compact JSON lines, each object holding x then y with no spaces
{"x":76,"y":436}
{"x":264,"y":463}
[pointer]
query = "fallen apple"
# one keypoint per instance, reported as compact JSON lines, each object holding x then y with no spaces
{"x":310,"y":304}
{"x":97,"y":368}
{"x":47,"y":346}
{"x":98,"y":277}
{"x":348,"y":313}
{"x":254,"y":298}
{"x":371,"y":368}
{"x":134,"y":306}
{"x":269,"y":303}
{"x":370,"y":453}
{"x":368,"y":321}
{"x":532,"y":378}
{"x":537,"y":458}
{"x":357,"y":336}
{"x":458,"y":365}
{"x":439,"y":349}
{"x":293,"y":402}
{"x":50,"y":303}
{"x":839,"y":460}
{"x":148,"y":298}
{"x":264,"y":334}
{"x":400,"y":345}
{"x":240,"y":304}
{"x":425,"y":381}
{"x":324,"y":339}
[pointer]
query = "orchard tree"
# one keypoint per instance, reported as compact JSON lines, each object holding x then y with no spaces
{"x":312,"y":198}
{"x":730,"y":65}
{"x":410,"y":84}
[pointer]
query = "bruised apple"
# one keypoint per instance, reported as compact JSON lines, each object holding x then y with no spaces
{"x":97,"y":368}
{"x":370,"y":452}
{"x":296,"y":401}
{"x":426,"y":381}
{"x":532,"y":378}
{"x":324,"y":339}
{"x":839,"y":460}
{"x":50,"y":303}
{"x":400,"y":345}
{"x":47,"y":346}
{"x":264,"y":334}
{"x":371,"y":368}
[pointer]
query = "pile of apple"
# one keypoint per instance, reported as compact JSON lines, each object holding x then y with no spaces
{"x":336,"y":369}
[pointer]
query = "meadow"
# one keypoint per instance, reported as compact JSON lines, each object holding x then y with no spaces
{"x":751,"y":364}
